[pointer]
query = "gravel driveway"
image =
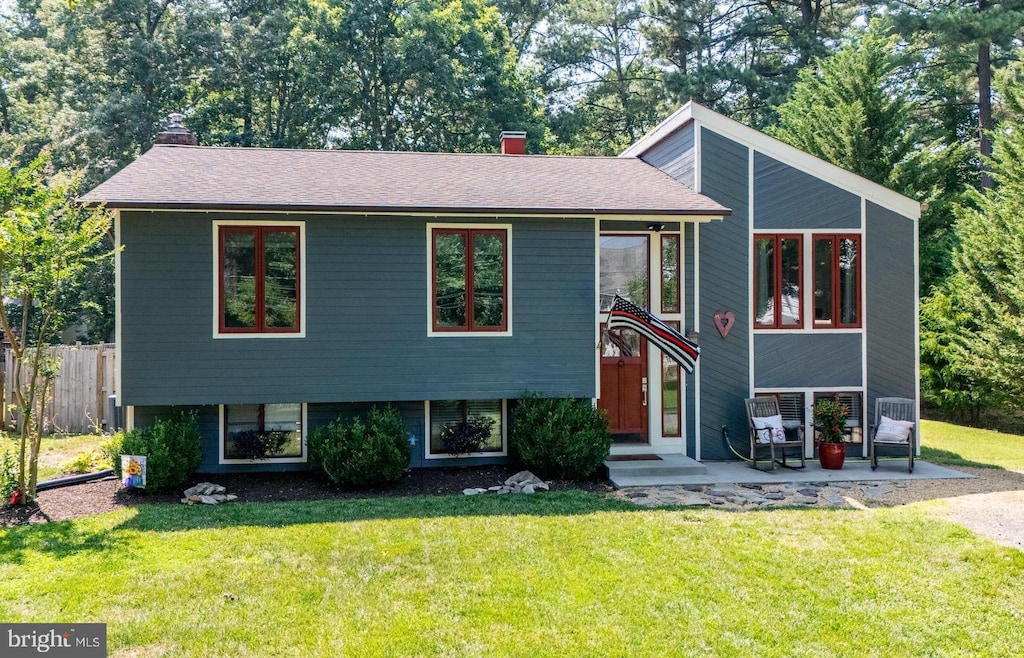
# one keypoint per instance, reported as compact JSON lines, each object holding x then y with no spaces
{"x":992,"y":504}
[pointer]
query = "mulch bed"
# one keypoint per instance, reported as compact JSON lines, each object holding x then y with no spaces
{"x":108,"y":494}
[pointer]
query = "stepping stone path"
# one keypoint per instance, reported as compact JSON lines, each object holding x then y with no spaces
{"x":755,"y":496}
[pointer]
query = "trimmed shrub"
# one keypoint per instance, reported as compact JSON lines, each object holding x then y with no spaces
{"x":561,"y":438}
{"x":173,"y":450}
{"x":360,"y":454}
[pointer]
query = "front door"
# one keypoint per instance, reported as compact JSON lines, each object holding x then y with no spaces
{"x":624,"y":384}
{"x":625,"y":271}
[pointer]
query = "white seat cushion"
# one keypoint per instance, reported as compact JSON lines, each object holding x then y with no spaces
{"x":893,"y":431}
{"x":772,"y":423}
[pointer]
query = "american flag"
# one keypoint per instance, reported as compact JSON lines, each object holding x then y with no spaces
{"x":627,"y":315}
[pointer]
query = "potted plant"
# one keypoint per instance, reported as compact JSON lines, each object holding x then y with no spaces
{"x":830,"y":423}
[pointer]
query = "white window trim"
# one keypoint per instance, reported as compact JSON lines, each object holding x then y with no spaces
{"x":303,"y":294}
{"x":809,"y":411}
{"x":443,"y":455}
{"x":430,"y":281}
{"x":269,"y":460}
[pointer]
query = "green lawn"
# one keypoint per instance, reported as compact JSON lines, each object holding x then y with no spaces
{"x":58,"y":452}
{"x":958,"y":445}
{"x":561,"y":574}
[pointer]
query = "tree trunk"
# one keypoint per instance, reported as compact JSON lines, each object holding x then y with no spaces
{"x":985,"y":105}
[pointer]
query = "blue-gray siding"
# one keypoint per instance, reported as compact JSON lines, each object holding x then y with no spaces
{"x":724,"y":286}
{"x":889,"y":305}
{"x":208,"y":417}
{"x":808,"y":360}
{"x":786,"y":198}
{"x":366,"y":324}
{"x":675,"y":155}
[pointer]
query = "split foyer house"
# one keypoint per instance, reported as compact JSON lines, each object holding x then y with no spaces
{"x":278,"y":289}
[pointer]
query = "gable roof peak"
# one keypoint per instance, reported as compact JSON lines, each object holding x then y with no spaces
{"x":777,"y":149}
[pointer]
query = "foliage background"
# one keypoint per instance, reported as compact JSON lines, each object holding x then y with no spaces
{"x":904,"y":92}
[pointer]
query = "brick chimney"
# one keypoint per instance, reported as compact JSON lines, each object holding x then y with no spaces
{"x":513,"y":142}
{"x":176,"y":133}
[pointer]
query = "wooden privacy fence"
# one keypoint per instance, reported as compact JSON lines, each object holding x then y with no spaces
{"x":77,"y":400}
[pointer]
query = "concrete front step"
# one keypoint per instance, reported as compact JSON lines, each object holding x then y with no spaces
{"x":667,"y":470}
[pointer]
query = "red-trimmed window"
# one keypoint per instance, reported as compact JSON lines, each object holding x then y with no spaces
{"x":671,"y":392}
{"x":470,"y":279}
{"x":778,"y":281}
{"x":260,"y":290}
{"x":670,"y":274}
{"x":836,"y":260}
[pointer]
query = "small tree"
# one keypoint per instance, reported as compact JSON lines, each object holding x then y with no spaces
{"x":46,"y":243}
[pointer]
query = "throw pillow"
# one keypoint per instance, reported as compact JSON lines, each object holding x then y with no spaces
{"x":893,"y":431}
{"x":773,"y":425}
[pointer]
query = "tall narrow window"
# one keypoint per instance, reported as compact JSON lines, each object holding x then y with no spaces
{"x":670,"y":274}
{"x":836,"y":281}
{"x":777,"y":281}
{"x":470,"y":279}
{"x":671,"y":391}
{"x":259,"y":284}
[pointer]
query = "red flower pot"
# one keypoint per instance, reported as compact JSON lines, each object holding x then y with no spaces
{"x":832,"y":455}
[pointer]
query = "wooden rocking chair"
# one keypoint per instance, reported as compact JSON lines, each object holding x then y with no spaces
{"x":894,"y":426}
{"x":767,"y":431}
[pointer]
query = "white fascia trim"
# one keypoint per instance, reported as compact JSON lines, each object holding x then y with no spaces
{"x":693,"y":219}
{"x":430,"y":282}
{"x":118,"y":342}
{"x":581,"y":213}
{"x":427,"y":455}
{"x":268,"y":460}
{"x":750,"y":270}
{"x":217,"y":223}
{"x":864,"y":311}
{"x":780,"y":151}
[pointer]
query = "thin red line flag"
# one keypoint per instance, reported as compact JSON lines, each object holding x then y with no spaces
{"x":627,"y":315}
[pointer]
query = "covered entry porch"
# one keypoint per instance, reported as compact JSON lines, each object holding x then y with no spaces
{"x":650,"y":400}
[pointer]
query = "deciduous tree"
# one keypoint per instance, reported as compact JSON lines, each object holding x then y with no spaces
{"x":46,"y":244}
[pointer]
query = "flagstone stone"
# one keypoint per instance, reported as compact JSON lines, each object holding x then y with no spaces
{"x":877,"y":492}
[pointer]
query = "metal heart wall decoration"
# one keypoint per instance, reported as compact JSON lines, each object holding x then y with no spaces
{"x":724,"y":322}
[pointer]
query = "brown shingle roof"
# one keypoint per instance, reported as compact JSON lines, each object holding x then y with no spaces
{"x":372,"y":181}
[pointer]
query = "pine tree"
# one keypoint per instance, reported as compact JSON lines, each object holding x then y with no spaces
{"x":853,"y":111}
{"x":988,"y":276}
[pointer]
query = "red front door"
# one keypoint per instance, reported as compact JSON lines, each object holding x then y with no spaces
{"x":624,"y":384}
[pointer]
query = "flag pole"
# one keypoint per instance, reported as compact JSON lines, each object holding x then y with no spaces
{"x":608,"y":319}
